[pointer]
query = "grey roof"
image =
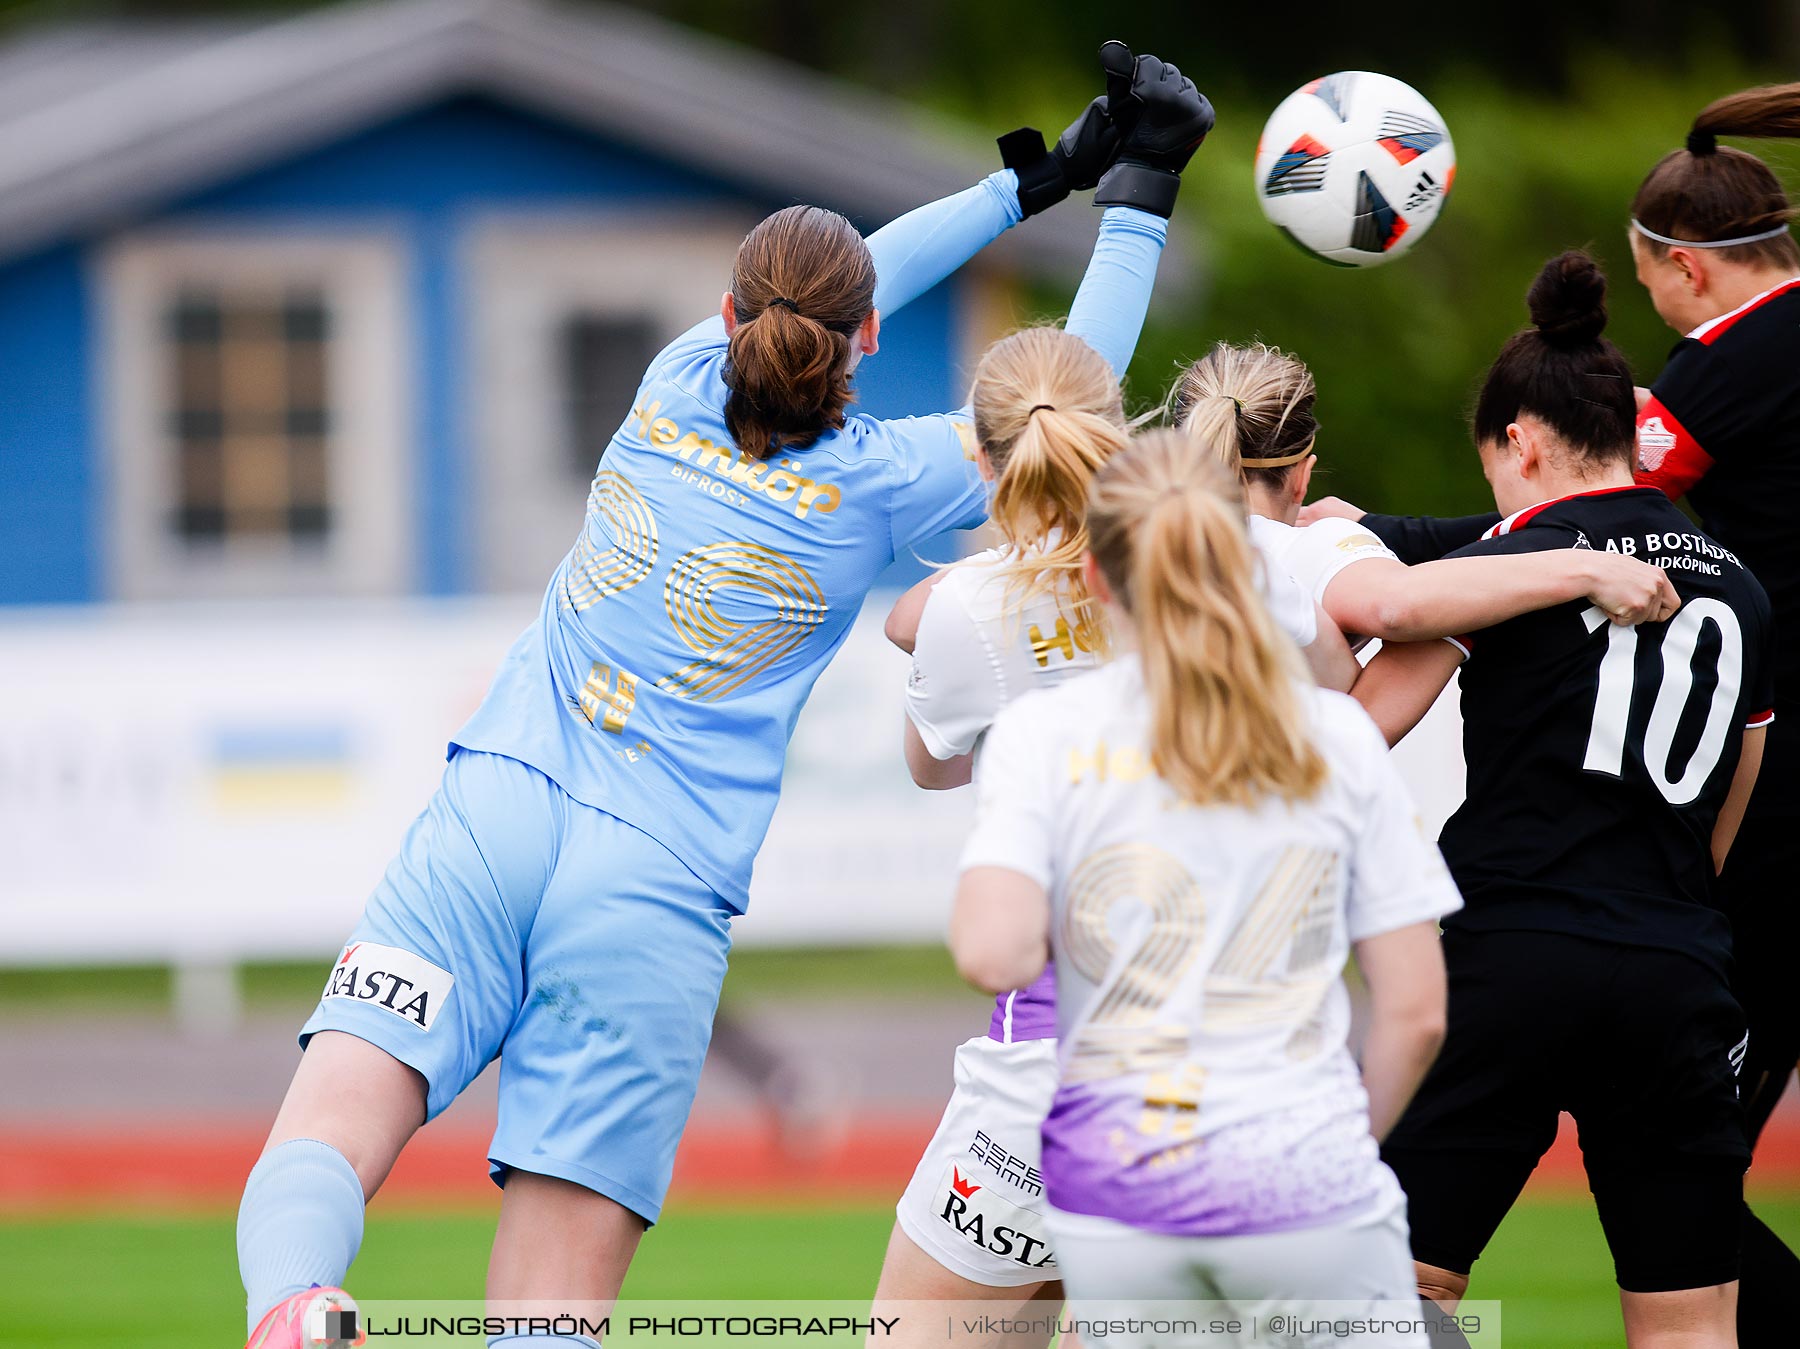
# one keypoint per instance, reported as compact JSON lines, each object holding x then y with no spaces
{"x":102,"y":122}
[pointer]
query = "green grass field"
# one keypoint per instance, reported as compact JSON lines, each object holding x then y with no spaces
{"x":104,"y":1281}
{"x":169,"y":1281}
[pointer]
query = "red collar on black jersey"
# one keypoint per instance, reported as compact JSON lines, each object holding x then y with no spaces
{"x":1713,"y":329}
{"x":1519,"y":519}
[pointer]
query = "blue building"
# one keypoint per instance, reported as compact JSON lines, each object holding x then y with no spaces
{"x":349,"y":303}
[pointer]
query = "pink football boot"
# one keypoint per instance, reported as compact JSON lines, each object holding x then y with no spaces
{"x":319,"y":1318}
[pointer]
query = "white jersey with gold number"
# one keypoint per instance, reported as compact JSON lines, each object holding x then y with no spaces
{"x":975,"y":1202}
{"x":974,"y":655}
{"x":1201,"y":1011}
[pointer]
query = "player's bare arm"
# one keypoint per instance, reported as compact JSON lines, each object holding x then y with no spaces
{"x":1380,"y":597}
{"x":929,"y":771}
{"x":1399,"y":686}
{"x":999,"y":929}
{"x":902,"y":626}
{"x":1404,"y":970}
{"x":1329,"y":657}
{"x":1737,"y":800}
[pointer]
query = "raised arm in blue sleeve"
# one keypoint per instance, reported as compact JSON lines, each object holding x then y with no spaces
{"x":922,"y":247}
{"x":915,"y":252}
{"x":1109,"y":308}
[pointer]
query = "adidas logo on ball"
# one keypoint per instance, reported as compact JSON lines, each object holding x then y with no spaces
{"x":1424,"y":192}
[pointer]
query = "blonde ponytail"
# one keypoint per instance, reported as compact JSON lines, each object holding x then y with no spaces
{"x":1166,"y":526}
{"x":1048,"y":414}
{"x":1251,"y":408}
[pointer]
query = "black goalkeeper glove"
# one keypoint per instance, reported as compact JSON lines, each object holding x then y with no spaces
{"x":1084,"y":152}
{"x":1171,"y":120}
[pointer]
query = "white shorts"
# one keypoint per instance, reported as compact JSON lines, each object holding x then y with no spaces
{"x":1359,"y":1267}
{"x":976,"y":1202}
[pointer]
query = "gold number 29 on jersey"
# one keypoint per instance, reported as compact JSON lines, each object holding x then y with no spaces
{"x":730,"y":652}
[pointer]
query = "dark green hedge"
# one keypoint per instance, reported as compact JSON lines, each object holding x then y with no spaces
{"x":1400,"y":350}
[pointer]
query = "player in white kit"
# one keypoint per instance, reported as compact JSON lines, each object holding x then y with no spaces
{"x":1202,"y":836}
{"x":1253,"y":408}
{"x":1047,"y":415}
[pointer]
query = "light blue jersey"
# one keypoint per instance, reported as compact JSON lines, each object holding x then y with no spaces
{"x":634,"y":741}
{"x":680,"y":637}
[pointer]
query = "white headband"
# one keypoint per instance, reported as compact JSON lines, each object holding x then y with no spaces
{"x":1638,"y":225}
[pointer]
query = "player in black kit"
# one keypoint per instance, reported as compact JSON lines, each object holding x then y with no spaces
{"x":1721,"y":424}
{"x":1608,"y":769}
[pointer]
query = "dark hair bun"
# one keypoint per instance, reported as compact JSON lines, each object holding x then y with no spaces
{"x":1568,"y":300}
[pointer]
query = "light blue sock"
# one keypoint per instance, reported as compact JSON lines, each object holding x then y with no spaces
{"x":300,"y":1222}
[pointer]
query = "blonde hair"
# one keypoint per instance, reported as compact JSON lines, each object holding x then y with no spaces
{"x":1167,"y":528}
{"x":1049,"y":414}
{"x":1251,"y":407}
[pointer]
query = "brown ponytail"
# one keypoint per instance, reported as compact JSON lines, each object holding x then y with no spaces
{"x":1226,"y":725}
{"x":1049,"y":414}
{"x":802,"y":284}
{"x":1251,"y":403}
{"x":1707,"y":191}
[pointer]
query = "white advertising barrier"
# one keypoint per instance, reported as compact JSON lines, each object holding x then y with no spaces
{"x":207,"y":784}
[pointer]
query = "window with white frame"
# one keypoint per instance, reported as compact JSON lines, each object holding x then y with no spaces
{"x":254,"y":387}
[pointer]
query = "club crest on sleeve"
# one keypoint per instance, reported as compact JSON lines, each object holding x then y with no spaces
{"x":1654,"y":441}
{"x":409,"y":986}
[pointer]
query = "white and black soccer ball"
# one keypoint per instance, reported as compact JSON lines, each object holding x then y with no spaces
{"x":1354,"y":168}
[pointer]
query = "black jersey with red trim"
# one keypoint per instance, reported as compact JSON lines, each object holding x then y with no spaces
{"x":1723,"y":427}
{"x":1599,"y":756}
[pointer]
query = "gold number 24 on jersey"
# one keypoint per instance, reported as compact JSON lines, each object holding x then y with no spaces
{"x":1273,"y":970}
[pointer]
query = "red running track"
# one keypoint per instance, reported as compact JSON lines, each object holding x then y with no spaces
{"x":203,"y":1165}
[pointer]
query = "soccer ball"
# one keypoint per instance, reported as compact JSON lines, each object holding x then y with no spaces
{"x":1354,"y":167}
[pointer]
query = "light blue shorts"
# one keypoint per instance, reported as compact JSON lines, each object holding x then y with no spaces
{"x":521,"y":924}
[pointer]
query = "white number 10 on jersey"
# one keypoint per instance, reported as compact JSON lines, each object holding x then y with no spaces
{"x":1618,"y":692}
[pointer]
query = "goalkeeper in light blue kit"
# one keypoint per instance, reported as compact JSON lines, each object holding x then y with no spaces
{"x":564,"y":903}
